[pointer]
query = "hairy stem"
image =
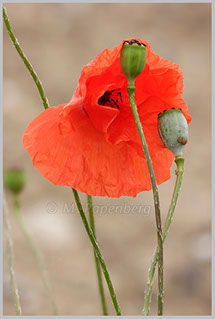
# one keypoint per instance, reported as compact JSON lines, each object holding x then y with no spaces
{"x":98,"y":253}
{"x":180,"y":170}
{"x":97,"y":263}
{"x":131,"y":89}
{"x":10,"y":255}
{"x":25,"y":60}
{"x":46,"y":105}
{"x":36,"y":252}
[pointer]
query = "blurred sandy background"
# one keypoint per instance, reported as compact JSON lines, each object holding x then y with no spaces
{"x":59,"y":40}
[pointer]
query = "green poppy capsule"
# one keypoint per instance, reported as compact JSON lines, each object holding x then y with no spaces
{"x":132,"y":59}
{"x":14,"y":180}
{"x":173,"y":130}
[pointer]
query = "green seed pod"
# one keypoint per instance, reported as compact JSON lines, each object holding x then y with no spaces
{"x":14,"y":180}
{"x":132,"y":59}
{"x":173,"y":130}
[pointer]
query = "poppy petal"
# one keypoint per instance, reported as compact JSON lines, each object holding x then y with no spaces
{"x":84,"y":159}
{"x":92,"y":143}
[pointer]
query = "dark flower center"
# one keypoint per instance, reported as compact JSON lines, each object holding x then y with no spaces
{"x":111,"y":98}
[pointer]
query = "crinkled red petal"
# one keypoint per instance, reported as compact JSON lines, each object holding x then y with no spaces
{"x":84,"y":159}
{"x":94,"y":147}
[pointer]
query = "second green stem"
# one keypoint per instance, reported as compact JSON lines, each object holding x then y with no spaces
{"x":180,"y":171}
{"x":131,"y":89}
{"x":98,"y":269}
{"x":98,"y":253}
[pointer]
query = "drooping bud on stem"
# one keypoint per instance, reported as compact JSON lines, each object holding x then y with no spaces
{"x":132,"y":59}
{"x":173,"y":130}
{"x":14,"y":180}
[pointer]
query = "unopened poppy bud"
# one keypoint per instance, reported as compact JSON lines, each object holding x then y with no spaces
{"x":132,"y":59}
{"x":173,"y":130}
{"x":14,"y":180}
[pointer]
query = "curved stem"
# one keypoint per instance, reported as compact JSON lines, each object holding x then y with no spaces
{"x":25,"y":60}
{"x":97,"y":251}
{"x":97,"y":263}
{"x":180,"y":170}
{"x":46,"y":105}
{"x":131,"y":89}
{"x":10,"y":256}
{"x":36,"y":252}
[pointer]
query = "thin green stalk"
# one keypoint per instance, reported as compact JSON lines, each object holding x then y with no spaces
{"x":10,"y":255}
{"x":97,"y":251}
{"x":36,"y":252}
{"x":97,"y":263}
{"x":16,"y":204}
{"x":46,"y":105}
{"x":25,"y":60}
{"x":180,"y":170}
{"x":131,"y":89}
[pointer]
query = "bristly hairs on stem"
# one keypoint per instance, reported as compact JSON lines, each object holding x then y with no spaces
{"x":179,"y":176}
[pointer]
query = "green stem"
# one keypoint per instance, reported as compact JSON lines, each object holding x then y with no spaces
{"x":36,"y":252}
{"x":18,"y":214}
{"x":97,"y":263}
{"x":131,"y":89}
{"x":98,"y":253}
{"x":46,"y":105}
{"x":180,"y":170}
{"x":25,"y":60}
{"x":10,"y":256}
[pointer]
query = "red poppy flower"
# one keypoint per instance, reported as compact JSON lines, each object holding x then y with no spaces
{"x":92,"y":144}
